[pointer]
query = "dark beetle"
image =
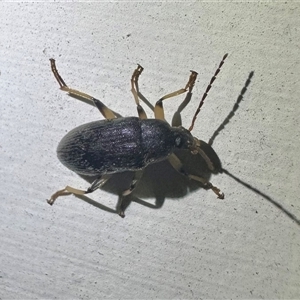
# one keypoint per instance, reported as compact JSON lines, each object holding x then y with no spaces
{"x":123,"y":144}
{"x":118,"y":144}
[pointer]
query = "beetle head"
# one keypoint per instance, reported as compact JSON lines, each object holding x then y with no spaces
{"x":183,"y":138}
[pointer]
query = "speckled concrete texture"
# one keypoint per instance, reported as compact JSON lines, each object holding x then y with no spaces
{"x":191,"y":245}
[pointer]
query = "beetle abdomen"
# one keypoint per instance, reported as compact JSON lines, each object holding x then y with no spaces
{"x":106,"y":146}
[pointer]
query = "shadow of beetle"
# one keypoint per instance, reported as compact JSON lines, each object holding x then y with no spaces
{"x":100,"y":149}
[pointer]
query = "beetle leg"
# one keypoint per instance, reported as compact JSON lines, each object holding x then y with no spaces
{"x":105,"y":111}
{"x":177,"y":165}
{"x":97,"y":183}
{"x":136,"y":177}
{"x":135,"y":90}
{"x":159,"y":110}
{"x":176,"y":120}
{"x":68,"y":190}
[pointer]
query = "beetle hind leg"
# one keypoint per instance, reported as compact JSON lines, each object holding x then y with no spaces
{"x":68,"y":190}
{"x":159,"y":110}
{"x":104,"y":110}
{"x":121,"y":205}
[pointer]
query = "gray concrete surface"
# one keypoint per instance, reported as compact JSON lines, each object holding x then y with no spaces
{"x":194,"y":246}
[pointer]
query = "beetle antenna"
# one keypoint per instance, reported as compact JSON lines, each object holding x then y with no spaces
{"x":207,"y":90}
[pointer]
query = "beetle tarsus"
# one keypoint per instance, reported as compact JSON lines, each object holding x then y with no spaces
{"x":189,"y":86}
{"x":56,"y":74}
{"x":64,"y":192}
{"x":216,"y":191}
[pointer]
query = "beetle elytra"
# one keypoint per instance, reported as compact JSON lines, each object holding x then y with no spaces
{"x":118,"y":144}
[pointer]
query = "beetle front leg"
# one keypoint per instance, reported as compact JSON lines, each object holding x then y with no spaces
{"x":207,"y":185}
{"x":104,"y":110}
{"x":159,"y":110}
{"x":177,"y":165}
{"x":68,"y":190}
{"x":136,"y":177}
{"x":135,"y":91}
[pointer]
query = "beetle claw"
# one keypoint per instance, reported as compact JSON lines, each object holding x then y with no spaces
{"x":216,"y":191}
{"x":50,"y":201}
{"x":122,"y":214}
{"x":221,"y":196}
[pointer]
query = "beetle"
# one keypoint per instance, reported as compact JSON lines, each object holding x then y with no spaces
{"x":118,"y":144}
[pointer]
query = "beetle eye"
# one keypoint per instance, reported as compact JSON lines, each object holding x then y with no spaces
{"x":178,"y":141}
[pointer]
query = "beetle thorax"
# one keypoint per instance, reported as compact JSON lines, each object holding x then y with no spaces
{"x":159,"y":139}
